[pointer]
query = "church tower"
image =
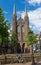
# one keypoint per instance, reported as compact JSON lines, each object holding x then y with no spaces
{"x":26,"y":26}
{"x":14,"y":23}
{"x":26,"y":19}
{"x":21,"y":27}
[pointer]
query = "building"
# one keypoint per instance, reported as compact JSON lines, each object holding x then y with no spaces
{"x":37,"y":46}
{"x":20,"y":27}
{"x":39,"y":40}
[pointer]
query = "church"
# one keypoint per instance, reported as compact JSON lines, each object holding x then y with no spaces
{"x":21,"y":27}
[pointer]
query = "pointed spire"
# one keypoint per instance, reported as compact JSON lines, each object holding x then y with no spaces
{"x":20,"y":15}
{"x":25,"y":10}
{"x":14,"y":10}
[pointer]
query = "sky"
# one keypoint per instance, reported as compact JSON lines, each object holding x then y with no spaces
{"x":33,"y":11}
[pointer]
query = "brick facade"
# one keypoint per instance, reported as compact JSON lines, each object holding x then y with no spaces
{"x":21,"y":27}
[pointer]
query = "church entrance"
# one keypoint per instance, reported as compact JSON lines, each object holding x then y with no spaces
{"x":18,"y":48}
{"x":23,"y":47}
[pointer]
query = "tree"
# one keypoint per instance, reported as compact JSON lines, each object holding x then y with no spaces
{"x":14,"y":41}
{"x":31,"y":39}
{"x":6,"y":34}
{"x":4,"y":26}
{"x":1,"y":16}
{"x":1,"y":26}
{"x":1,"y":21}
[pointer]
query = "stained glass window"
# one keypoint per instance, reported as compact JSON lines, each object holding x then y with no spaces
{"x":23,"y":29}
{"x":18,"y":29}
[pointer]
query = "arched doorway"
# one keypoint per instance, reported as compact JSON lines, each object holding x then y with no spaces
{"x":23,"y":47}
{"x":18,"y":48}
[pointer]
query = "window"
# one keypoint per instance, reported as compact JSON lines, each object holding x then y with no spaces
{"x":23,"y":29}
{"x":19,"y":37}
{"x":18,"y":29}
{"x":23,"y":38}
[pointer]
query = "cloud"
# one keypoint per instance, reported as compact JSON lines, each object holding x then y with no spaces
{"x":20,"y":13}
{"x":34,"y":19}
{"x":5,"y":12}
{"x":33,"y":2}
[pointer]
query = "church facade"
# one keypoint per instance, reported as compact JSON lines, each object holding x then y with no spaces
{"x":21,"y":27}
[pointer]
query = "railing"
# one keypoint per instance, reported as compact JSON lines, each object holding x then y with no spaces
{"x":12,"y":58}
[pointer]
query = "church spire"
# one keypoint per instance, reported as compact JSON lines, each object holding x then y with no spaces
{"x":20,"y":15}
{"x":25,"y":10}
{"x":14,"y":10}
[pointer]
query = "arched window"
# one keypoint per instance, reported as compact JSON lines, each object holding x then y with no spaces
{"x":23,"y":29}
{"x":18,"y":29}
{"x":24,"y":39}
{"x":19,"y":37}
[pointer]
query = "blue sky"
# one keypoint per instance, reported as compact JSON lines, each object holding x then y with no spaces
{"x":33,"y":10}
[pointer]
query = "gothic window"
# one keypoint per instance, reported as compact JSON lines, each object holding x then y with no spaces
{"x":19,"y":37}
{"x":24,"y":38}
{"x":18,"y":29}
{"x":23,"y":29}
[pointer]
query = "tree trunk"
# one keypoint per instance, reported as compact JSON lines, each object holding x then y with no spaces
{"x":32,"y":54}
{"x":2,"y":46}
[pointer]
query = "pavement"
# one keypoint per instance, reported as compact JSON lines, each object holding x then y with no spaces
{"x":29,"y":63}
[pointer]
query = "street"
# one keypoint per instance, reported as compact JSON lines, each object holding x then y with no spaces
{"x":29,"y":63}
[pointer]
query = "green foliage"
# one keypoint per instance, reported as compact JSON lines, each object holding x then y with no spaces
{"x":31,"y":38}
{"x":0,"y":39}
{"x":4,"y":26}
{"x":14,"y":40}
{"x":1,"y":15}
